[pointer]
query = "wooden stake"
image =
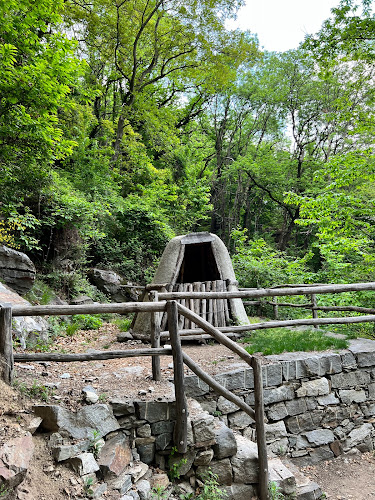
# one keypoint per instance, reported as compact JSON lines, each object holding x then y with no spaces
{"x":155,"y":338}
{"x":180,"y":430}
{"x":6,"y":344}
{"x":260,"y":429}
{"x":314,"y":311}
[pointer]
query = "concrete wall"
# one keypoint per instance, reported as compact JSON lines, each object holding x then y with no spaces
{"x":317,"y":405}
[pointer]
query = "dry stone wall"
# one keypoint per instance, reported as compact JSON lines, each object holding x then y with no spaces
{"x":317,"y":405}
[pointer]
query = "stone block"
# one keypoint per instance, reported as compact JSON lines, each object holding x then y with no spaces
{"x":320,"y":365}
{"x":272,"y":375}
{"x":122,"y":483}
{"x":309,"y":491}
{"x":371,"y":391}
{"x":15,"y":457}
{"x":226,"y":444}
{"x":245,"y":462}
{"x":162,"y":427}
{"x":281,"y":476}
{"x":143,"y":488}
{"x":296,"y":406}
{"x":182,"y":463}
{"x":278,"y":447}
{"x":236,"y":491}
{"x":146,"y":449}
{"x":163,"y":440}
{"x":282,"y":393}
{"x":239,"y":420}
{"x":318,"y":387}
{"x":115,"y":455}
{"x":318,"y":437}
{"x":203,"y":428}
{"x":348,"y":360}
{"x":204,"y":457}
{"x":209,"y":405}
{"x":144,"y":431}
{"x":350,"y":379}
{"x":365,"y":359}
{"x":226,"y":406}
{"x":275,"y":431}
{"x":277,"y":411}
{"x":233,"y":380}
{"x":302,"y":423}
{"x":87,"y":420}
{"x":61,"y":452}
{"x":352,"y":396}
{"x":222,"y":468}
{"x":330,"y":399}
{"x":84,"y":463}
{"x":301,"y":442}
{"x":122,"y":407}
{"x":358,"y":435}
{"x":195,"y":387}
{"x":155,"y":411}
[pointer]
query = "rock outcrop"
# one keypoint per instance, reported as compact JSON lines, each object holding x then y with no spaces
{"x":16,"y":270}
{"x":112,"y":285}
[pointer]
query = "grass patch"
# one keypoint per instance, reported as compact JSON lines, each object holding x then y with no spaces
{"x":278,"y":340}
{"x":123,"y":322}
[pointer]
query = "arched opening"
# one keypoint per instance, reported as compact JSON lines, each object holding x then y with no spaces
{"x":199,"y":264}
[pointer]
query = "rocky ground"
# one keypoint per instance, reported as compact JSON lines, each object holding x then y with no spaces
{"x":349,"y":477}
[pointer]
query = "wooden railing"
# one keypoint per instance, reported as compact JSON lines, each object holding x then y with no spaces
{"x":166,"y":302}
{"x":156,"y":308}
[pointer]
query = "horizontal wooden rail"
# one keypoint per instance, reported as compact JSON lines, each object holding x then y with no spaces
{"x":120,"y":308}
{"x":92,"y":356}
{"x":217,"y":387}
{"x":278,"y":324}
{"x":268,"y":292}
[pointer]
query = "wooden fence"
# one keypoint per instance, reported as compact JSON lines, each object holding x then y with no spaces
{"x":166,"y":302}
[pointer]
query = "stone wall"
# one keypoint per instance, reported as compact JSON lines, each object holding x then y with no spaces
{"x":317,"y":405}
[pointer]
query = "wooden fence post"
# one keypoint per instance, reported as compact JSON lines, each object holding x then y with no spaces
{"x":259,"y":425}
{"x":180,"y":430}
{"x":6,"y":344}
{"x":155,"y":338}
{"x":275,"y":308}
{"x":314,"y":305}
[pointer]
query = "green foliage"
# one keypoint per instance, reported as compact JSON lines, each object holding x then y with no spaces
{"x":274,"y":491}
{"x":35,"y":391}
{"x":87,"y":321}
{"x":123,"y":323}
{"x":257,"y":264}
{"x":278,"y":340}
{"x":210,"y":489}
{"x":175,"y":463}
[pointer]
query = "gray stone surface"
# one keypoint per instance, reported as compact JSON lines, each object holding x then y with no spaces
{"x":317,"y":387}
{"x":225,"y":406}
{"x":277,"y":411}
{"x":87,"y":421}
{"x":203,"y":428}
{"x":238,"y":491}
{"x":245,"y":462}
{"x":204,"y":457}
{"x":352,"y":396}
{"x":226,"y":444}
{"x":183,"y":463}
{"x":309,"y":491}
{"x":282,"y":393}
{"x":144,"y":488}
{"x":274,"y":431}
{"x":146,"y":449}
{"x":281,"y":476}
{"x":84,"y":463}
{"x":239,"y":420}
{"x":319,"y":437}
{"x":272,"y":375}
{"x":296,"y":406}
{"x":122,"y":407}
{"x":358,"y":435}
{"x":16,"y":270}
{"x":350,"y":379}
{"x":222,"y":468}
{"x":154,"y":411}
{"x":15,"y":457}
{"x":329,"y":399}
{"x":122,"y":483}
{"x":115,"y":455}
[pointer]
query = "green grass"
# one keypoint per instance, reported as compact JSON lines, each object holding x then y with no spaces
{"x":278,"y":340}
{"x":123,"y":322}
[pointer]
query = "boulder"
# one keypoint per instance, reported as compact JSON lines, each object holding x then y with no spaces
{"x":111,"y":284}
{"x":24,"y":327}
{"x":115,"y":455}
{"x":15,"y":456}
{"x":16,"y":270}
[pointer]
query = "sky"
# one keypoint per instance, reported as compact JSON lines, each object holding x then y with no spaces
{"x":282,"y":24}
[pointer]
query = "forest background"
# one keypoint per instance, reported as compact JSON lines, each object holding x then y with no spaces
{"x":126,"y":122}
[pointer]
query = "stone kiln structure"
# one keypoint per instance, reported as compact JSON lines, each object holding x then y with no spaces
{"x":197,"y":262}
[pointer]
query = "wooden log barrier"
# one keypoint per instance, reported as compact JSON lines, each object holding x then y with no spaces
{"x":6,"y":344}
{"x":180,"y":430}
{"x":155,"y":338}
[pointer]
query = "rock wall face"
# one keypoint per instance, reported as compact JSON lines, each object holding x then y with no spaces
{"x":16,"y":270}
{"x":317,"y":405}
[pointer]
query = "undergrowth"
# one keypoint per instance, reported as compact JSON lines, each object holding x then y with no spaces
{"x":278,"y":340}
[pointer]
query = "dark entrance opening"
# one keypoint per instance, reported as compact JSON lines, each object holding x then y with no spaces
{"x":199,"y":264}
